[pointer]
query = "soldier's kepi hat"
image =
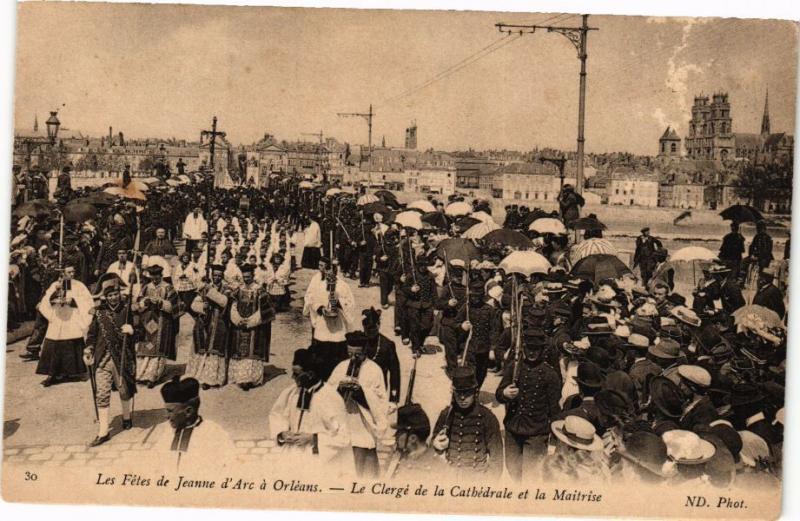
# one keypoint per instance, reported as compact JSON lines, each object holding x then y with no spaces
{"x":464,"y":379}
{"x":356,"y":339}
{"x":412,"y":418}
{"x":180,"y":391}
{"x":107,"y":283}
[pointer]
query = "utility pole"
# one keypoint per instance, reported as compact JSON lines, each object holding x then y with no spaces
{"x":212,"y":135}
{"x":576,"y":35}
{"x":318,"y":135}
{"x":368,"y":117}
{"x":559,"y":162}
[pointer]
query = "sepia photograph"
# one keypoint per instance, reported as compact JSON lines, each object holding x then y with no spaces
{"x":398,"y":261}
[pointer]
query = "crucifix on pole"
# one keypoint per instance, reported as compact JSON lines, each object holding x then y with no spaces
{"x":559,"y":162}
{"x":212,"y":137}
{"x":577,"y":36}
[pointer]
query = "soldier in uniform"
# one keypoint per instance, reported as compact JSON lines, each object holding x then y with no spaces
{"x":110,"y":354}
{"x":478,"y":323}
{"x":385,"y":261}
{"x":413,"y":458}
{"x":212,"y":332}
{"x":402,"y":285}
{"x":251,"y":315}
{"x":382,"y":351}
{"x":467,"y":433}
{"x":450,"y":302}
{"x":365,"y":249}
{"x":157,"y":306}
{"x":531,"y":402}
{"x":419,"y":305}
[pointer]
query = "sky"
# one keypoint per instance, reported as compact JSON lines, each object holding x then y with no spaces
{"x":163,"y":71}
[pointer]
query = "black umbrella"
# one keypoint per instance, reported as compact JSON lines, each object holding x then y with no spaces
{"x":385,"y":194}
{"x":34,"y":208}
{"x":466,"y":222}
{"x":741,"y":213}
{"x":96,"y":199}
{"x":437,"y":220}
{"x":536,"y":213}
{"x":588,"y":223}
{"x":79,"y":212}
{"x":506,"y":237}
{"x":376,"y":207}
{"x":458,"y":248}
{"x":600,"y":267}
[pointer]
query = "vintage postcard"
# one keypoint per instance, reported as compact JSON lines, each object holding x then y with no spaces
{"x":399,"y":261}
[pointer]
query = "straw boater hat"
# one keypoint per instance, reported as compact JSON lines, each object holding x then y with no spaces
{"x":687,"y":448}
{"x":637,"y":341}
{"x":578,"y":433}
{"x":686,"y":315}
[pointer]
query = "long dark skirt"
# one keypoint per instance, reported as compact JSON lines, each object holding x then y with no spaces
{"x":310,"y":258}
{"x":61,"y":358}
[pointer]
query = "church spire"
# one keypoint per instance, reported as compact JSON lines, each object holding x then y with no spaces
{"x":36,"y":123}
{"x":765,"y":117}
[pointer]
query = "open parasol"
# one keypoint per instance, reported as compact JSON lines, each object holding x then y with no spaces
{"x":126,"y":193}
{"x":480,"y":230}
{"x":693,"y":253}
{"x":758,"y":314}
{"x":458,"y":248}
{"x":506,"y":237}
{"x":597,"y":268}
{"x":366,"y":199}
{"x":525,"y":263}
{"x":591,"y":247}
{"x":305,"y":185}
{"x":422,"y":204}
{"x":333,"y":191}
{"x":458,"y":208}
{"x":409,"y":220}
{"x":548,"y":225}
{"x":482,"y":216}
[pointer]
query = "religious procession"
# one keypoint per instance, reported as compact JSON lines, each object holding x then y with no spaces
{"x":564,"y":360}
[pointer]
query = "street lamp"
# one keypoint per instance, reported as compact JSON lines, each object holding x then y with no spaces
{"x":53,"y":124}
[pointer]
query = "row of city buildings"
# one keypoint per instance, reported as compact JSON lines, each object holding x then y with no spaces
{"x":699,"y":172}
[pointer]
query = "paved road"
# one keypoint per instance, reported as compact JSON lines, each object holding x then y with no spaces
{"x":40,"y":421}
